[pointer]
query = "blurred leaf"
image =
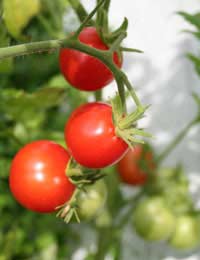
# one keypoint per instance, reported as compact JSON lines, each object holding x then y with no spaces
{"x":196,"y":62}
{"x":7,"y":64}
{"x":21,"y":106}
{"x":18,"y":13}
{"x":193,"y":19}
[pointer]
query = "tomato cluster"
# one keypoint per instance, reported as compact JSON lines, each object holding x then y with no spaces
{"x":38,"y":178}
{"x":168,"y":212}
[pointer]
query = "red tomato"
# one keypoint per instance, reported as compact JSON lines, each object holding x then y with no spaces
{"x":37,"y":176}
{"x":134,"y":166}
{"x":90,"y":136}
{"x":82,"y":70}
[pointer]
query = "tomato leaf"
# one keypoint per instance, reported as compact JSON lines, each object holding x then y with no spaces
{"x":193,"y":19}
{"x":196,"y":61}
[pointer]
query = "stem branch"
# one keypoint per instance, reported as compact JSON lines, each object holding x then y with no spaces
{"x":176,"y":141}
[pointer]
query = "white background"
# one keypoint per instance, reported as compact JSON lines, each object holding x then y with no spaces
{"x":164,"y":78}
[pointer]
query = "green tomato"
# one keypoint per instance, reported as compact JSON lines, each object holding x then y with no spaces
{"x":187,"y":233}
{"x":103,"y":219}
{"x":153,"y":220}
{"x":91,"y":200}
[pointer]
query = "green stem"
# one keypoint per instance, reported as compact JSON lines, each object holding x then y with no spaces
{"x":73,"y":43}
{"x":88,"y":18}
{"x":121,"y":91}
{"x":55,"y":16}
{"x":98,"y":95}
{"x":29,"y":48}
{"x":79,"y":9}
{"x":131,"y":90}
{"x":176,"y":141}
{"x":107,"y":5}
{"x":132,"y":202}
{"x":104,"y":241}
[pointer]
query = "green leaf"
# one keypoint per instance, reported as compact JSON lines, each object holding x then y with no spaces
{"x":193,"y":19}
{"x":196,"y":62}
{"x":18,"y":13}
{"x":21,"y":106}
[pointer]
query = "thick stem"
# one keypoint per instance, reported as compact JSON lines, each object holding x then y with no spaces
{"x":29,"y":48}
{"x":72,"y":43}
{"x":176,"y":141}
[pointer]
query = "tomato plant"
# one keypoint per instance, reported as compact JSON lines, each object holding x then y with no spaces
{"x":152,"y":219}
{"x":37,"y":176}
{"x":82,"y":70}
{"x":187,"y":233}
{"x":92,"y":199}
{"x":134,"y":167}
{"x":90,"y":136}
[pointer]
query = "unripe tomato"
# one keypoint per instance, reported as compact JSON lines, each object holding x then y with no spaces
{"x":37,"y":176}
{"x":152,"y":220}
{"x":90,"y":136}
{"x":82,"y":70}
{"x":92,"y":199}
{"x":187,"y":233}
{"x":173,"y":185}
{"x":133,"y":168}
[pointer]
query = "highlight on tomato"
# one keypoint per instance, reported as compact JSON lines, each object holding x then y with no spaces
{"x":82,"y":70}
{"x":186,"y":235}
{"x":134,"y":167}
{"x":90,"y":136}
{"x":153,"y":220}
{"x":37,"y":176}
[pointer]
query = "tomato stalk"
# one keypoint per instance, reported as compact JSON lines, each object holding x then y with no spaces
{"x":88,"y":19}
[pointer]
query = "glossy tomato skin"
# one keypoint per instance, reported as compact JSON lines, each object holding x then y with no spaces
{"x":130,"y":166}
{"x":90,"y":136}
{"x":37,"y":176}
{"x":84,"y":71}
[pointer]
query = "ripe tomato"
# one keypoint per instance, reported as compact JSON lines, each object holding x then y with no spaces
{"x":90,"y":136}
{"x":187,"y":233}
{"x":134,"y":166}
{"x":92,"y":199}
{"x":152,"y":220}
{"x":37,"y":176}
{"x":82,"y":70}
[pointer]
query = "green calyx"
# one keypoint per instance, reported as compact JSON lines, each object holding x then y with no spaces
{"x":79,"y":175}
{"x":125,"y":124}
